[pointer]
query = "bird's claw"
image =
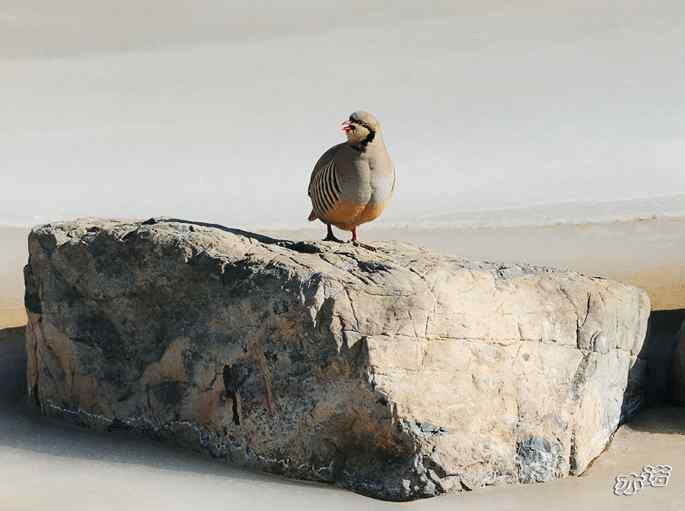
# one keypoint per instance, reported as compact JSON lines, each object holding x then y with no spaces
{"x":332,"y":238}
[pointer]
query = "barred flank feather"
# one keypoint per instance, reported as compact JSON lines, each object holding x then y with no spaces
{"x":324,"y":190}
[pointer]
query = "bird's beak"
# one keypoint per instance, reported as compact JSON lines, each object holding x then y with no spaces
{"x":347,"y":126}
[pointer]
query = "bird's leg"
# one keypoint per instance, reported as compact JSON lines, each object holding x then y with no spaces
{"x":330,"y":236}
{"x":358,"y":243}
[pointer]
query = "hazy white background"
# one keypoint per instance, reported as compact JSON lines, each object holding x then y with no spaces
{"x":217,"y":110}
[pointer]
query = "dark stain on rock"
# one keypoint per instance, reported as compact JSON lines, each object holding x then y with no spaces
{"x":127,"y":394}
{"x":168,"y":392}
{"x":46,"y":241}
{"x":236,"y":276}
{"x":373,"y":266}
{"x":130,"y":235}
{"x":303,"y":247}
{"x":207,"y":265}
{"x":31,"y":296}
{"x":424,"y":428}
{"x":280,"y":307}
{"x":537,"y":459}
{"x":427,"y":427}
{"x":234,"y":377}
{"x":573,"y":456}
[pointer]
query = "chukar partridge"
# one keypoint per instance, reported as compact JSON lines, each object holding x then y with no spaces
{"x":352,"y":182}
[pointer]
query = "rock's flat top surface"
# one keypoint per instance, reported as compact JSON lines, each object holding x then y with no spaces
{"x":398,"y":372}
{"x":645,"y":252}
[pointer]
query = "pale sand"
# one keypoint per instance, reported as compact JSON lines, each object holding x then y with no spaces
{"x":66,"y":468}
{"x":13,"y":257}
{"x":12,"y":316}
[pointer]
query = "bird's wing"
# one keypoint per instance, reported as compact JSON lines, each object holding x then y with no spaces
{"x":326,"y":159}
{"x":324,"y":186}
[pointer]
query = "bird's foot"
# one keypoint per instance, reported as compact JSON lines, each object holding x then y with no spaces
{"x":331,"y":237}
{"x":364,"y":245}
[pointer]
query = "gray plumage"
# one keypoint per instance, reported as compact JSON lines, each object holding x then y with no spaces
{"x":352,"y":182}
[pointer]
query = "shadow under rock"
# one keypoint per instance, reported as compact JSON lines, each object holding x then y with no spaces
{"x":22,"y":427}
{"x":660,"y":419}
{"x":647,"y":399}
{"x":658,"y":349}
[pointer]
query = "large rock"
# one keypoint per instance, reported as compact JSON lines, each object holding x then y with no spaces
{"x":397,"y":373}
{"x":678,"y":372}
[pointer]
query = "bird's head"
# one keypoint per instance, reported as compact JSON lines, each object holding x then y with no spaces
{"x":361,"y":127}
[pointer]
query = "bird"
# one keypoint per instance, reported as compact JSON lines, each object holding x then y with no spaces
{"x":352,"y":182}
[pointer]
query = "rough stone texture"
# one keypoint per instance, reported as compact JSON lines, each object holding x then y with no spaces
{"x":678,"y":373}
{"x":397,"y":373}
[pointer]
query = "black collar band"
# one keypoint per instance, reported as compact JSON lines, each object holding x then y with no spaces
{"x":361,"y":146}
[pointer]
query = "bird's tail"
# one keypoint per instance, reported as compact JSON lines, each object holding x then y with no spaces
{"x":312,"y":216}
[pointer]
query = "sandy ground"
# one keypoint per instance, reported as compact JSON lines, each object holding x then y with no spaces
{"x":13,"y":257}
{"x":75,"y":469}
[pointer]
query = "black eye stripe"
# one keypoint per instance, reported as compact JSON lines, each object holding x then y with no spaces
{"x":354,"y":121}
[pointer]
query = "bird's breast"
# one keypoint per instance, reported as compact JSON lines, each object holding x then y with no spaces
{"x":381,"y":187}
{"x":365,"y":184}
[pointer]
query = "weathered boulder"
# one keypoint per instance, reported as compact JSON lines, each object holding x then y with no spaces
{"x":678,"y":372}
{"x":397,"y":373}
